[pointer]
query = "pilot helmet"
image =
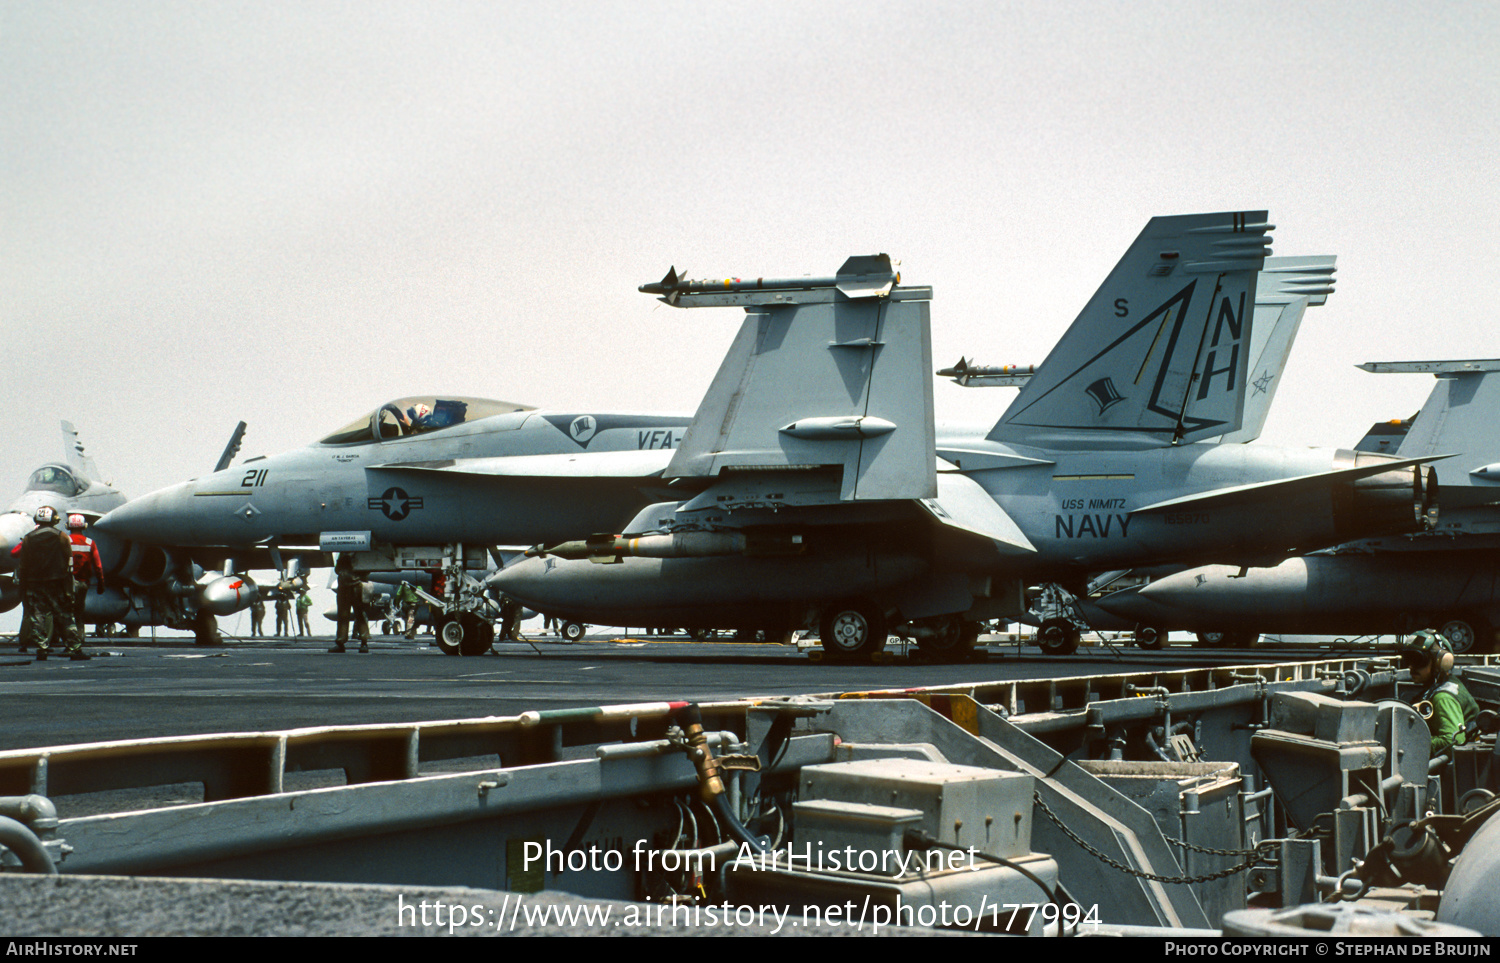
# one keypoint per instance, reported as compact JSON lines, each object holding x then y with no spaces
{"x":46,"y":515}
{"x":420,"y":411}
{"x":77,"y":521}
{"x":1427,"y":647}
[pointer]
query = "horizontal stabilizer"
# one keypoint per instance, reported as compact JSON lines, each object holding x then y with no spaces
{"x":1266,"y":492}
{"x":970,"y":459}
{"x":1158,"y":355}
{"x":962,"y":504}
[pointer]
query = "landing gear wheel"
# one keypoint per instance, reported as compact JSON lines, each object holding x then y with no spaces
{"x":853,"y":630}
{"x":1237,"y":639}
{"x":953,"y":643}
{"x":478,"y":634}
{"x":449,"y":634}
{"x":1150,"y":636}
{"x":1465,"y":635}
{"x":1058,"y":637}
{"x":572,"y":631}
{"x":385,"y":628}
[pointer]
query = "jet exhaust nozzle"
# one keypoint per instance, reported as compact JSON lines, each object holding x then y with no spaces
{"x":1401,"y":500}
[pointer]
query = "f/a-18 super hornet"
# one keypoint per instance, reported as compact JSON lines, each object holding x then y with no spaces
{"x":1448,"y":576}
{"x":431,"y":483}
{"x":143,"y":584}
{"x":815,"y":488}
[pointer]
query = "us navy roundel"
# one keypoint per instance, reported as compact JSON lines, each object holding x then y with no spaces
{"x":395,"y":504}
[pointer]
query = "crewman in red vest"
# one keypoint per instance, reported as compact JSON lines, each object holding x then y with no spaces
{"x":86,"y":567}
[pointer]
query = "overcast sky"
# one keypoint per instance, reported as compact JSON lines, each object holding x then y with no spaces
{"x":288,"y":213}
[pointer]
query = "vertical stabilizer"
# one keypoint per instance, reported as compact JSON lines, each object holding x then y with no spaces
{"x":825,"y":374}
{"x":1157,"y":356}
{"x":77,"y":458}
{"x":1286,"y":288}
{"x":1461,"y":416}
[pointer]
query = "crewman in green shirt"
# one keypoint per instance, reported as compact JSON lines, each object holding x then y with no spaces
{"x":1453,"y":720}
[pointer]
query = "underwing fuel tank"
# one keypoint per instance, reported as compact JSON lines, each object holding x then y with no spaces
{"x":700,"y":592}
{"x":226,"y":594}
{"x":1384,"y":593}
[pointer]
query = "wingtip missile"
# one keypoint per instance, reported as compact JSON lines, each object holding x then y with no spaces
{"x":861,"y":276}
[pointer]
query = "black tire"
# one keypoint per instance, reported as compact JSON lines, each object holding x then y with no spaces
{"x":1058,"y":637}
{"x":479,"y":634}
{"x":449,"y":635}
{"x":1210,"y":640}
{"x":1467,"y":635}
{"x":954,"y":643}
{"x":572,"y":631}
{"x":853,"y":630}
{"x":1150,"y":636}
{"x":702,"y":635}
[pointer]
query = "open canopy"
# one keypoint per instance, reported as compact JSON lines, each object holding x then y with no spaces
{"x":417,"y":415}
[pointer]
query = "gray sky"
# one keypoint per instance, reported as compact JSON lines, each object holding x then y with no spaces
{"x":288,"y":213}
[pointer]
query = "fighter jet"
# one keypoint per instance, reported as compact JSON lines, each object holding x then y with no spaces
{"x":430,"y":483}
{"x":816,"y":491}
{"x":1447,"y":577}
{"x":144,"y":585}
{"x":1285,"y":288}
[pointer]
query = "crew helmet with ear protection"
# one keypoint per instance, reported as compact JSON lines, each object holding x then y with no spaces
{"x":45,"y":515}
{"x":1428,"y":647}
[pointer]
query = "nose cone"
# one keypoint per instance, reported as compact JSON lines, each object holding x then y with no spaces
{"x":162,"y":517}
{"x":13,"y":528}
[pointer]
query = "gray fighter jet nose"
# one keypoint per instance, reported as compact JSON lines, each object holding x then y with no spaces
{"x":13,"y":528}
{"x":157,"y":517}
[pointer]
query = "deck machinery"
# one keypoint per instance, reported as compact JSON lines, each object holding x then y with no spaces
{"x":1256,"y":799}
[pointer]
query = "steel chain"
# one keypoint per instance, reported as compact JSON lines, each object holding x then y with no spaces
{"x":1255,"y":858}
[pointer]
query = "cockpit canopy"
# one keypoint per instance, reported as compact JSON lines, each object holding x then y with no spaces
{"x":56,"y":478}
{"x":417,"y":415}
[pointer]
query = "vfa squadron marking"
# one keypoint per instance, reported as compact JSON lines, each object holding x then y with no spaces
{"x":658,"y":438}
{"x":583,"y":429}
